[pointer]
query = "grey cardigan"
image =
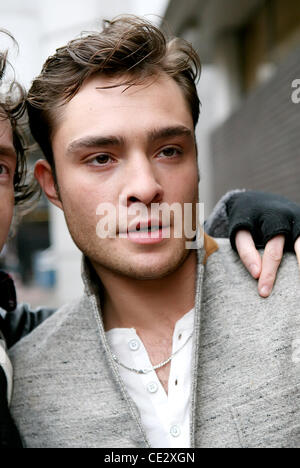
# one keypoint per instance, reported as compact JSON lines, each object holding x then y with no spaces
{"x":245,"y":386}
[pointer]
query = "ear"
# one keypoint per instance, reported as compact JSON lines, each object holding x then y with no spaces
{"x":44,"y":175}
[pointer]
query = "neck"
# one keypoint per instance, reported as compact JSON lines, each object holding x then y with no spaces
{"x":149,"y":305}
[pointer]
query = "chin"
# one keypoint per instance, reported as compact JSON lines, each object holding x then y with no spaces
{"x":143,"y":273}
{"x":140,"y":265}
{"x":150,"y":266}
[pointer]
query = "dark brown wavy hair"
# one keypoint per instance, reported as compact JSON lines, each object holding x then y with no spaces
{"x":128,"y":46}
{"x":12,"y":107}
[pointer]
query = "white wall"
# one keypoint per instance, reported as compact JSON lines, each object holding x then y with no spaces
{"x":220,"y":93}
{"x":40,"y":26}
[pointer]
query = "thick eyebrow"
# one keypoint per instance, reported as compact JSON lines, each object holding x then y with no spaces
{"x":102,"y":141}
{"x":94,"y":141}
{"x":160,"y":133}
{"x":7,"y":151}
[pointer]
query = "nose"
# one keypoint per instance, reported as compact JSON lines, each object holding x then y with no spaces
{"x":141,"y":184}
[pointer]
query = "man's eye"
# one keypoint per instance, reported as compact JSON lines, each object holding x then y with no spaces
{"x":3,"y":170}
{"x":170,"y":152}
{"x":100,"y":160}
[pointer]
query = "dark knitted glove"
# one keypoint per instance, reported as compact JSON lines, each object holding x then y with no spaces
{"x":265,"y":216}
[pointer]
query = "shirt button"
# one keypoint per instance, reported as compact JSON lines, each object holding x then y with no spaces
{"x":175,"y":430}
{"x":152,"y":387}
{"x":134,"y":345}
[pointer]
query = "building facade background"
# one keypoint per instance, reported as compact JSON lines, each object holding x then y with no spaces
{"x":249,"y":132}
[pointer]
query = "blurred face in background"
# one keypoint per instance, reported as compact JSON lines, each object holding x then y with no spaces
{"x":8,"y":161}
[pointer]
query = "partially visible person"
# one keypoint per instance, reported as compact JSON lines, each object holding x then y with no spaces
{"x":15,"y":193}
{"x":12,"y":191}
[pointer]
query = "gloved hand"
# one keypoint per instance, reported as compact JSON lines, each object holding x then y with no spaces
{"x":265,"y":216}
{"x":258,"y":219}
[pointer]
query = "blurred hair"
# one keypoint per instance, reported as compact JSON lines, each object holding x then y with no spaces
{"x":12,"y":107}
{"x":128,"y":46}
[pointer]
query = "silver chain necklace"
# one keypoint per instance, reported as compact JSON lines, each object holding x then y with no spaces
{"x":153,"y":368}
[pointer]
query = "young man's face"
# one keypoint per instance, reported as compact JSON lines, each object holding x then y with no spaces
{"x":8,"y":161}
{"x":134,"y":145}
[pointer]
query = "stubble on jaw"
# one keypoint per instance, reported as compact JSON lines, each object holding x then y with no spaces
{"x":106,"y":259}
{"x":121,"y":261}
{"x":143,"y":272}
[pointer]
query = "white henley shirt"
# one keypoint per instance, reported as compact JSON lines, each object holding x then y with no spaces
{"x":166,"y":418}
